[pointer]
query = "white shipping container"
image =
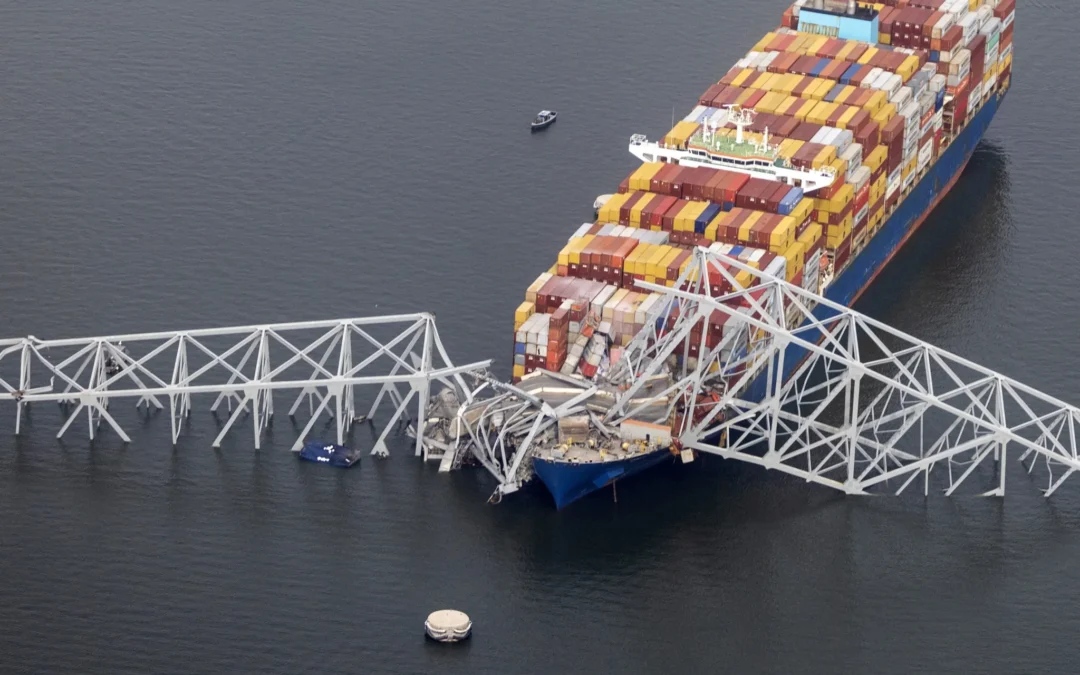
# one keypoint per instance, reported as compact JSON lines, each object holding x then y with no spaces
{"x":1005,"y":53}
{"x":853,"y":155}
{"x":944,"y":23}
{"x":976,"y":94}
{"x":909,"y":180}
{"x":961,"y":64}
{"x":844,"y":139}
{"x":984,"y":14}
{"x":860,"y":177}
{"x":874,"y":74}
{"x":970,"y":24}
{"x":582,"y":231}
{"x":990,"y":83}
{"x":878,"y":81}
{"x":925,"y":153}
{"x":991,"y":28}
{"x":939,"y":119}
{"x":821,"y":135}
{"x":863,"y":214}
{"x":767,"y":61}
{"x":695,"y":114}
{"x":1008,"y":21}
{"x":901,"y":98}
{"x":937,"y":83}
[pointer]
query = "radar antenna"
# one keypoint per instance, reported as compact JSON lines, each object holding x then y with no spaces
{"x":740,"y":117}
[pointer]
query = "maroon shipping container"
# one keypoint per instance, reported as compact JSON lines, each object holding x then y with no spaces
{"x":842,"y":254}
{"x":885,"y":20}
{"x":728,"y":97}
{"x":952,"y":37}
{"x":1004,"y":9}
{"x":711,"y":190}
{"x":869,"y":136}
{"x":754,"y":98}
{"x":894,"y":129}
{"x":772,"y":202}
{"x":804,"y":65}
{"x":711,"y":93}
{"x":783,"y":63}
{"x":624,"y":186}
{"x":624,"y":210}
{"x":978,"y":58}
{"x":659,"y":179}
{"x":694,"y":182}
{"x":785,"y":127}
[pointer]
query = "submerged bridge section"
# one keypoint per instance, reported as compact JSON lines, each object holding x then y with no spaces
{"x":333,"y":366}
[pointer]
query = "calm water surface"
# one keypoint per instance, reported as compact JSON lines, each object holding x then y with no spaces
{"x":186,"y":163}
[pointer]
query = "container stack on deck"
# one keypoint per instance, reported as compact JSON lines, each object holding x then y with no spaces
{"x":874,"y":114}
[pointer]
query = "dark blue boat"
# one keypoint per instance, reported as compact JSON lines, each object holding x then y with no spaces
{"x":329,"y":453}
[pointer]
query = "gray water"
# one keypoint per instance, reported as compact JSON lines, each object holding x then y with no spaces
{"x":188,"y":163}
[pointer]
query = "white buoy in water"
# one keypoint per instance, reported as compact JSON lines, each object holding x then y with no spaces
{"x":448,"y":625}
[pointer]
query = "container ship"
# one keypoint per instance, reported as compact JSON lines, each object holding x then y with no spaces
{"x":813,"y":159}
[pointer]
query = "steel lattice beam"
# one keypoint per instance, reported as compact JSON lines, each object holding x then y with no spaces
{"x":324,"y":361}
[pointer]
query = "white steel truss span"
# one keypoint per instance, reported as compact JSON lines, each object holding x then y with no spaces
{"x":840,"y":400}
{"x":332,"y":365}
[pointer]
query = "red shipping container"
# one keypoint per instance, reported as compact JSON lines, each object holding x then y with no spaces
{"x":805,"y":65}
{"x":868,"y":136}
{"x":754,"y":98}
{"x":732,"y":186}
{"x":653,"y":214}
{"x":624,"y":186}
{"x":855,"y":54}
{"x":1004,"y":9}
{"x":667,"y":223}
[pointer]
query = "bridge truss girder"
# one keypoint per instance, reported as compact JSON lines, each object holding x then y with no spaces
{"x":325,"y":363}
{"x":865,"y":408}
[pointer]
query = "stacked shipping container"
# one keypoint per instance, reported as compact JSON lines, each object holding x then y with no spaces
{"x":875,"y":115}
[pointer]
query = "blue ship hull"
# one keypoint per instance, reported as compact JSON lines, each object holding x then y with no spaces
{"x":569,"y":482}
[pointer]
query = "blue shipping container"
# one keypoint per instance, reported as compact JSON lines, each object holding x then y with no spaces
{"x":845,"y":79}
{"x":705,"y":218}
{"x":790,"y":201}
{"x":816,"y":70}
{"x":831,"y":96}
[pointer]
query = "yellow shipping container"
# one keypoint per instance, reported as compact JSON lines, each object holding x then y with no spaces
{"x":635,"y":212}
{"x":840,"y":166}
{"x":575,"y":252}
{"x":802,"y":112}
{"x":819,"y":89}
{"x":876,"y":158}
{"x":759,"y":81}
{"x":609,"y":212}
{"x":744,"y":229}
{"x":684,"y":219}
{"x":773,"y":83}
{"x":743,"y":280}
{"x":802,"y":210}
{"x":795,"y":256}
{"x":763,"y":42}
{"x":642,"y":178}
{"x":680,"y":134}
{"x":840,"y":201}
{"x":785,"y":108}
{"x":769,"y":102}
{"x":798,"y":45}
{"x":825,"y":157}
{"x":519,"y":371}
{"x":743,"y":77}
{"x":655,"y":259}
{"x":783,"y":235}
{"x":661,"y":269}
{"x":641,"y":261}
{"x":788,"y":148}
{"x":908,"y":67}
{"x":885,"y":38}
{"x":846,"y":49}
{"x":811,"y":235}
{"x":788,"y":83}
{"x":821,"y":112}
{"x":523,"y":312}
{"x":867,"y":55}
{"x":887,"y":112}
{"x":813,"y":47}
{"x":845,"y":93}
{"x":849,"y":112}
{"x":875,"y":102}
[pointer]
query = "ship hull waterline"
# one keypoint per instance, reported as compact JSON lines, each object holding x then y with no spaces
{"x":568,"y":482}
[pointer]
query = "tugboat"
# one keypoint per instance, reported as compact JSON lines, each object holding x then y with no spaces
{"x":329,"y":453}
{"x":544,"y":120}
